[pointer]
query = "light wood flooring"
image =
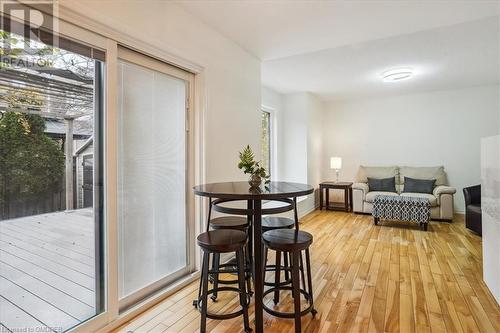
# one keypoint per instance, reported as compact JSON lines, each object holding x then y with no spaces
{"x":387,"y":278}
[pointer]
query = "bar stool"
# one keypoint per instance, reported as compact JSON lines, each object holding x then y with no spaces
{"x":276,"y":223}
{"x":216,"y":242}
{"x":292,"y":242}
{"x":229,"y":223}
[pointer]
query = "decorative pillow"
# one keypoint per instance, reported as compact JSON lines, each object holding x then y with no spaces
{"x":413,"y":185}
{"x":382,"y":184}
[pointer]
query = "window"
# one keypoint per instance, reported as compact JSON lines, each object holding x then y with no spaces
{"x":266,"y":141}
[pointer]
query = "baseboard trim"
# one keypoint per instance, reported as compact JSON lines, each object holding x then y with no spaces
{"x":309,"y":211}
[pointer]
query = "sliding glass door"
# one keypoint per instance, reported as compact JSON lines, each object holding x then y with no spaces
{"x":153,"y":176}
{"x":51,"y":181}
{"x":96,"y":167}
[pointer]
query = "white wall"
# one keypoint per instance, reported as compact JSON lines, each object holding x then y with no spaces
{"x":294,"y":132}
{"x":298,"y":120}
{"x":428,"y":129}
{"x":490,"y":202}
{"x":314,"y":146}
{"x":232,"y":75}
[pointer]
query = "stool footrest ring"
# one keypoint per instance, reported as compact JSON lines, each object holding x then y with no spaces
{"x":281,"y":284}
{"x":197,"y":304}
{"x":278,"y":314}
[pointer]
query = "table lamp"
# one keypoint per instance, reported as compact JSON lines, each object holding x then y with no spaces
{"x":336,"y":163}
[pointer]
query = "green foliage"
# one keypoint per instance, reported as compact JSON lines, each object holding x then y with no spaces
{"x":31,"y":163}
{"x":23,"y":99}
{"x":247,"y":162}
{"x":250,"y":166}
{"x":18,"y":47}
{"x":265,"y":138}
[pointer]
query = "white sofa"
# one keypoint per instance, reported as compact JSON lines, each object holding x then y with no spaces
{"x":441,"y":199}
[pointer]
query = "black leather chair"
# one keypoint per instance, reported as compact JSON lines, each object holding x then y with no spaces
{"x":472,"y":197}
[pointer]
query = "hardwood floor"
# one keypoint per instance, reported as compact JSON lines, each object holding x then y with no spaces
{"x":366,"y":278}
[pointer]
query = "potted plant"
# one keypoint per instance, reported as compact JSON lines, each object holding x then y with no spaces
{"x":250,"y":166}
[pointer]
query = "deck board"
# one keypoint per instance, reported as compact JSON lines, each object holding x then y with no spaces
{"x":37,"y":307}
{"x":49,"y":293}
{"x":49,"y":265}
{"x":70,"y":253}
{"x":57,"y":228}
{"x":47,"y":274}
{"x":61,"y":241}
{"x":67,"y":286}
{"x":49,"y":255}
{"x":16,"y":319}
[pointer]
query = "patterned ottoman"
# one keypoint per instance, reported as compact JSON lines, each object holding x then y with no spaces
{"x":400,"y":208}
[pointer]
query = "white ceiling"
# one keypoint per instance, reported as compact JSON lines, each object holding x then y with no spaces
{"x":278,"y":28}
{"x":336,"y":49}
{"x":452,"y":57}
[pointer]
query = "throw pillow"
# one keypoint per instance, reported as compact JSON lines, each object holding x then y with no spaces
{"x":413,"y":185}
{"x":382,"y":184}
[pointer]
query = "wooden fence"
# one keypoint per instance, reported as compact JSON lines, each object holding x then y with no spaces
{"x":46,"y":203}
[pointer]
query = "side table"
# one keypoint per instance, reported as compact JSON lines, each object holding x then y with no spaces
{"x":326,"y":186}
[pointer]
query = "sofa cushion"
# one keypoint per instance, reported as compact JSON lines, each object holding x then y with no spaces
{"x":361,"y":186}
{"x":436,"y":173}
{"x":419,"y":185}
{"x":382,"y":184}
{"x":375,"y":172}
{"x":432,"y":198}
{"x":371,"y":195}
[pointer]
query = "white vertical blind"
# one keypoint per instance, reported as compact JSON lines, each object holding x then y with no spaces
{"x":151,"y":177}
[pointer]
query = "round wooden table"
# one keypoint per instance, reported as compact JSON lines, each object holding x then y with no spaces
{"x":234,"y":191}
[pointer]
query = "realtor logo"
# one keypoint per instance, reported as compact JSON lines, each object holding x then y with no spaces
{"x":26,"y":31}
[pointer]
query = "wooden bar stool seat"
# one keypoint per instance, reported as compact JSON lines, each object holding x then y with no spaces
{"x":293,"y":243}
{"x":222,"y":241}
{"x":287,"y":240}
{"x":214,"y":243}
{"x":229,"y":222}
{"x":276,"y":222}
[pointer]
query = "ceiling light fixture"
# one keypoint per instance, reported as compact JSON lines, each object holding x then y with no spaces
{"x":397,"y":74}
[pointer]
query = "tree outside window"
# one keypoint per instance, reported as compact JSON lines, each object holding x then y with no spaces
{"x":265,"y":141}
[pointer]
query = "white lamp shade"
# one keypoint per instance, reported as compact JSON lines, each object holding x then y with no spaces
{"x":336,"y":163}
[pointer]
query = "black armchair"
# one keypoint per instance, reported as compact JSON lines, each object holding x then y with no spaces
{"x":472,"y":197}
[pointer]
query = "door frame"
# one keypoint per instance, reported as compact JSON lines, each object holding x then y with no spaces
{"x":74,"y":25}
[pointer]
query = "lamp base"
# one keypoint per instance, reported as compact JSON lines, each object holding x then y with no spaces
{"x":337,"y":175}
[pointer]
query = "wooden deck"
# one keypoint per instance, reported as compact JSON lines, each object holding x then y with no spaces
{"x":366,"y":278}
{"x":47,"y":275}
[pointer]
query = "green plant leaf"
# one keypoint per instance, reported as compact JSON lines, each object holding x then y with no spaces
{"x":250,"y":166}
